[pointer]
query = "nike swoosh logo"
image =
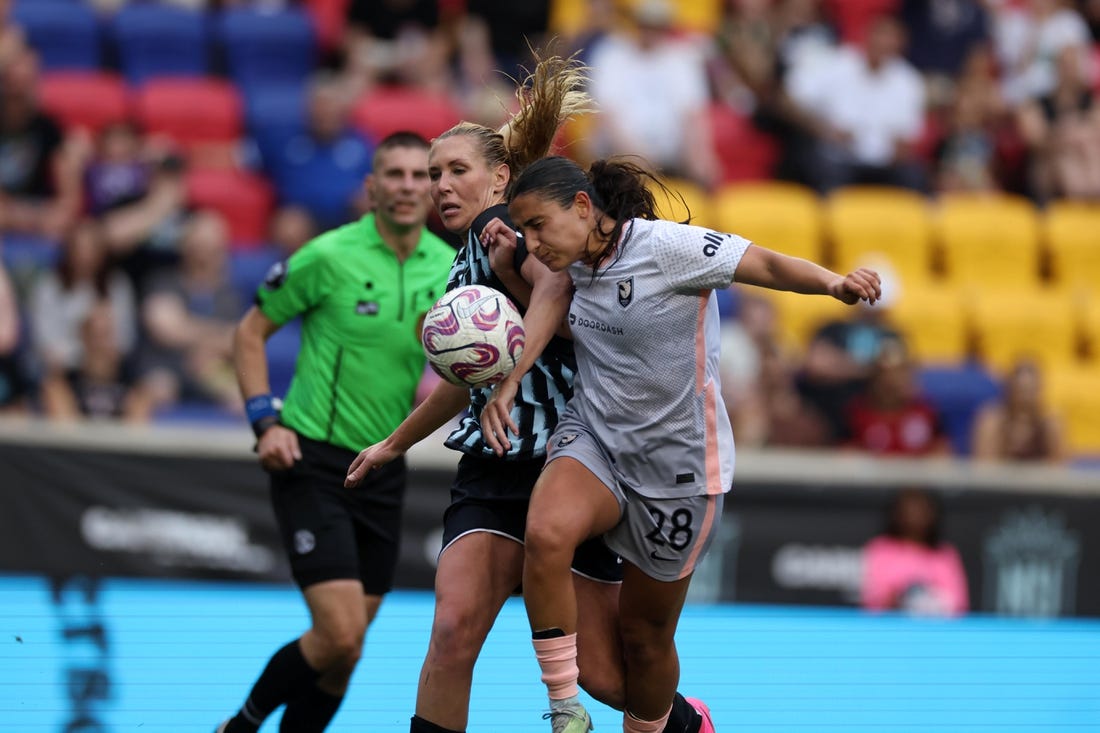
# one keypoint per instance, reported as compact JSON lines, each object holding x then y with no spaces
{"x":653,"y":555}
{"x":464,"y":309}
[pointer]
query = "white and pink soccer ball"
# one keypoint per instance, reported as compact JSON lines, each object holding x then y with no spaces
{"x":473,"y":336}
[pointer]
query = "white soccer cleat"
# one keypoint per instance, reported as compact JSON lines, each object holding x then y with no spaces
{"x":570,"y":719}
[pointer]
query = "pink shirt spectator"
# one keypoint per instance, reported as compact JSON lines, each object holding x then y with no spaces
{"x":906,"y":575}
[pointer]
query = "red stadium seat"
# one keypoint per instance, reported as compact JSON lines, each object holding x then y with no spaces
{"x":744,"y":153}
{"x":84,"y":99}
{"x":329,"y":19}
{"x":243,"y":199}
{"x":853,"y":17}
{"x":389,"y":109}
{"x":191,"y":111}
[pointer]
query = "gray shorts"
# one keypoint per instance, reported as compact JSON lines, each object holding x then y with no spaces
{"x":664,"y":538}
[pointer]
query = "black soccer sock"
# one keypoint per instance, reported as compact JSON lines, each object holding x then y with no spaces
{"x":419,"y":725}
{"x":310,"y":712}
{"x":683,"y":718}
{"x":286,"y":676}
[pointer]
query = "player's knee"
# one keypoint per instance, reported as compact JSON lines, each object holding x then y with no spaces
{"x":549,"y":537}
{"x":341,"y":649}
{"x":456,"y":637}
{"x":645,"y":643}
{"x":604,"y":684}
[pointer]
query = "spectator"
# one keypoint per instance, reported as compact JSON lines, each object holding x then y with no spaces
{"x":890,"y":416}
{"x":291,"y":227}
{"x":1062,"y":131}
{"x":1031,"y":39}
{"x":189,"y":318}
{"x":322,"y":169}
{"x":651,"y":90}
{"x":840,"y":358}
{"x":909,"y":567}
{"x":61,"y":300}
{"x":943,"y":34}
{"x":39,"y":185}
{"x":397,"y":42}
{"x":138,"y":192}
{"x":1017,"y":427}
{"x":14,"y":387}
{"x":102,"y":385}
{"x":773,"y":413}
{"x":869,"y":104}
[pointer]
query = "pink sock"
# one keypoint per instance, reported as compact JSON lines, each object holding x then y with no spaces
{"x":558,"y":660}
{"x":633,"y":725}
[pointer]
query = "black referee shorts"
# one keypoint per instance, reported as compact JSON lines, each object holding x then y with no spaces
{"x":334,"y":533}
{"x":492,"y":495}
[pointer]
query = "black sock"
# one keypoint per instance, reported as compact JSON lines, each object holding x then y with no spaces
{"x":310,"y":712}
{"x":683,"y":718}
{"x":554,"y":633}
{"x":419,"y":725}
{"x":286,"y":676}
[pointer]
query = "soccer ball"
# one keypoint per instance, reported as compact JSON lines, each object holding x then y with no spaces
{"x":473,"y":336}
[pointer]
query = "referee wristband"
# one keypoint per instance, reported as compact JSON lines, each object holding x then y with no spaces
{"x":262,"y":413}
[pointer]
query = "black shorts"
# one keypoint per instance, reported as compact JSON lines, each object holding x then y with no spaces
{"x":491,"y":495}
{"x":333,"y":533}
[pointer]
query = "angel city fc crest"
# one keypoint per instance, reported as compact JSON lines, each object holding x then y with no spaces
{"x":626,"y":291}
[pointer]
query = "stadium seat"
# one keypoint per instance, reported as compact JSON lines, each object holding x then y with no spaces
{"x":243,"y":199}
{"x":247,"y":269}
{"x":390,"y":109}
{"x":267,"y":46}
{"x":1074,"y":393}
{"x":683,"y":198}
{"x":854,"y":17}
{"x":933,"y":320}
{"x":190,"y":111}
{"x":85,"y":99}
{"x":744,"y":152}
{"x":957,"y":392}
{"x":159,"y":40}
{"x":800,"y":316}
{"x":780,"y":216}
{"x":1037,"y":323}
{"x":869,"y":223}
{"x":329,"y":19}
{"x":274,"y":114}
{"x":65,"y":35}
{"x":1088,"y":320}
{"x":1072,"y":238}
{"x":989,"y":241}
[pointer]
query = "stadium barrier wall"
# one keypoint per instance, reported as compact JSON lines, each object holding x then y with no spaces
{"x":110,"y":501}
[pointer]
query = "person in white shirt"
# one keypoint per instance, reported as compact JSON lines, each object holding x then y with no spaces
{"x":870,"y":107}
{"x":643,"y":453}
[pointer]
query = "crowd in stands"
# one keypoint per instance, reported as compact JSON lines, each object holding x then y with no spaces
{"x":156,"y":156}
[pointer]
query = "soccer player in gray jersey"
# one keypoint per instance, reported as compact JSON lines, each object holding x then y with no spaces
{"x":643,"y":454}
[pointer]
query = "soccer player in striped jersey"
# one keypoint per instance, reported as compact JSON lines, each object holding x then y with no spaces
{"x":643,"y":454}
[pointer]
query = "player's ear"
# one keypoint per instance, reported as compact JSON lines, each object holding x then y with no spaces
{"x":501,"y":176}
{"x":582,"y":204}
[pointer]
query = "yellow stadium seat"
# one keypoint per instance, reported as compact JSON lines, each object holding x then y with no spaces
{"x":782,"y":216}
{"x":1089,"y":322}
{"x":683,"y":198}
{"x":934,"y":322}
{"x":1074,"y":393}
{"x":989,"y":241}
{"x":800,"y":316}
{"x":568,"y":17}
{"x":1071,"y":234}
{"x":1036,"y":323}
{"x":872,"y":223}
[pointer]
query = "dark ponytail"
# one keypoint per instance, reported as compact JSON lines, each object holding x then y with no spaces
{"x":617,"y":187}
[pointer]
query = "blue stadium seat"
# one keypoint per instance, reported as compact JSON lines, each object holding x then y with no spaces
{"x":158,"y":40}
{"x":66,"y":35}
{"x":274,"y":113}
{"x":247,"y":269}
{"x":264,"y":46}
{"x":958,"y":392}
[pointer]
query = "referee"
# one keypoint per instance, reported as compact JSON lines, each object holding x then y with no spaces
{"x":362,"y":290}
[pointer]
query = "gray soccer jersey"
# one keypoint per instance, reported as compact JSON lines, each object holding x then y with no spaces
{"x":646,"y":334}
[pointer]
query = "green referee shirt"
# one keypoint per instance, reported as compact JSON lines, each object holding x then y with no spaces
{"x":360,"y":360}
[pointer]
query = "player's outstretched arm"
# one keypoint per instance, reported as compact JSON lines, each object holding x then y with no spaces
{"x":445,"y":401}
{"x":276,"y":446}
{"x":769,"y":269}
{"x":551,"y":293}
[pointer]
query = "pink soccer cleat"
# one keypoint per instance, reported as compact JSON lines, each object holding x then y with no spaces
{"x":703,"y":710}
